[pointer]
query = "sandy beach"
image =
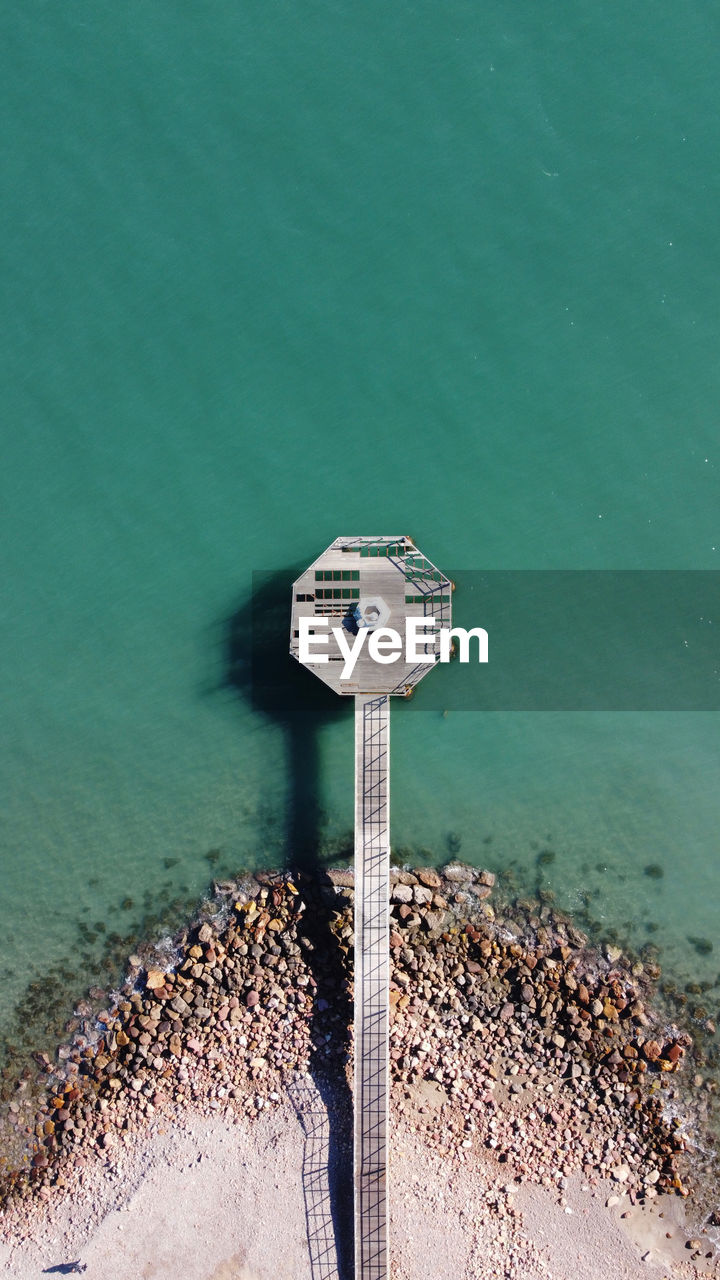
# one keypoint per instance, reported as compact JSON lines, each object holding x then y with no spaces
{"x":198,"y":1125}
{"x":206,"y":1200}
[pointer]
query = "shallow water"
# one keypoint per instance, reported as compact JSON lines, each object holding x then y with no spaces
{"x":275,"y":277}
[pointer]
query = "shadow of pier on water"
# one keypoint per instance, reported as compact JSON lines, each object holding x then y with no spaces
{"x":259,"y":669}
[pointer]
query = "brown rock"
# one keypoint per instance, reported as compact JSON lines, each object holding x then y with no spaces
{"x":155,"y":979}
{"x":402,"y":893}
{"x":429,"y":877}
{"x":458,"y":872}
{"x":652,"y":1050}
{"x":434,"y":920}
{"x":342,"y":878}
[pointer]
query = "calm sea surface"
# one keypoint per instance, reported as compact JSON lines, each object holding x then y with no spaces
{"x":277,"y":273}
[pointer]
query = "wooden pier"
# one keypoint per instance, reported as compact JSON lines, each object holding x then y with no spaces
{"x":372,"y":975}
{"x":371,"y":582}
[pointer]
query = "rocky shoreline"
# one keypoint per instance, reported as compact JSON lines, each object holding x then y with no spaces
{"x":534,"y":1045}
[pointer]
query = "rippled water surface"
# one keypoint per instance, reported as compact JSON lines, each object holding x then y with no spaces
{"x":276,"y":275}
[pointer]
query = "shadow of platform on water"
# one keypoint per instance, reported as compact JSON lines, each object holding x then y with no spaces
{"x":260,"y":670}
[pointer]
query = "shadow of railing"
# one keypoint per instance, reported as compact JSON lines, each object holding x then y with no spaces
{"x":258,"y":667}
{"x":313,"y":1116}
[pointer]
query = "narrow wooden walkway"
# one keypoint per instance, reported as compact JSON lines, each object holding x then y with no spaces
{"x":372,"y":972}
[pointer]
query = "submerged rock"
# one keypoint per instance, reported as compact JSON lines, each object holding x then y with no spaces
{"x":703,"y":946}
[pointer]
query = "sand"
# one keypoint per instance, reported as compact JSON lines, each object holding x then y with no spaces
{"x":181,"y":1135}
{"x":211,"y":1199}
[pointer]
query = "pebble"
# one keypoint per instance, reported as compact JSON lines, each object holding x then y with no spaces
{"x":478,"y":998}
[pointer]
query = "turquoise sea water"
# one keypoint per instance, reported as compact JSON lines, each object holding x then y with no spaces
{"x":280,"y":273}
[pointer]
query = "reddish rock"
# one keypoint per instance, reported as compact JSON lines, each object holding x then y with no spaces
{"x":252,"y":998}
{"x":652,"y":1050}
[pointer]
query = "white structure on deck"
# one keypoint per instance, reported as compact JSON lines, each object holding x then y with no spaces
{"x":371,"y":582}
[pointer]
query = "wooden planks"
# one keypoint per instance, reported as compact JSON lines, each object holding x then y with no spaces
{"x":372,"y":972}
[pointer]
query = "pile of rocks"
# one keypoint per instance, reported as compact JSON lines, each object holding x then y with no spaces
{"x":542,"y":1048}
